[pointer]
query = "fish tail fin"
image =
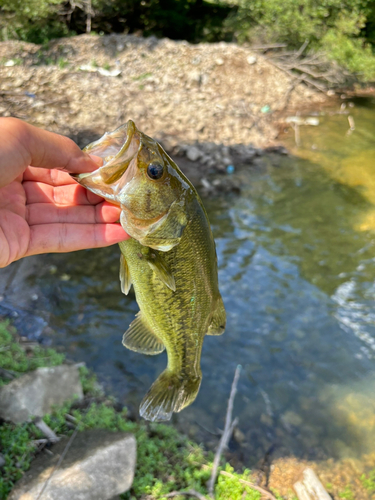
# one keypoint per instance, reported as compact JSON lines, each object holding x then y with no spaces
{"x":169,"y":393}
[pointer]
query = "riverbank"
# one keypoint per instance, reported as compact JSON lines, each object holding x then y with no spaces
{"x":85,"y":85}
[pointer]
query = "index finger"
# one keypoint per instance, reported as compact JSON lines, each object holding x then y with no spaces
{"x":23,"y":145}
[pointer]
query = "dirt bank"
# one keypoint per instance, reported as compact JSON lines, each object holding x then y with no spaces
{"x":217,"y":93}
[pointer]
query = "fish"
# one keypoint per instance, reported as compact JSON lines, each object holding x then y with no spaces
{"x":170,"y":260}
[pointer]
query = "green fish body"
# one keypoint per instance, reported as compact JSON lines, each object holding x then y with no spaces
{"x":170,"y":261}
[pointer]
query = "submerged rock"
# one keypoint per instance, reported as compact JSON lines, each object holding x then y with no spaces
{"x":34,"y":394}
{"x":98,"y":465}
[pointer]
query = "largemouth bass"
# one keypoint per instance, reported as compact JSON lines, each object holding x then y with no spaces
{"x":170,"y":260}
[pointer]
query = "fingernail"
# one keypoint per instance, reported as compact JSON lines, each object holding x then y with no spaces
{"x":97,"y":160}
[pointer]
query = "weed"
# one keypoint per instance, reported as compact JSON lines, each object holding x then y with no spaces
{"x":347,"y":494}
{"x":15,"y":359}
{"x":141,"y":77}
{"x":368,"y":481}
{"x":62,"y":63}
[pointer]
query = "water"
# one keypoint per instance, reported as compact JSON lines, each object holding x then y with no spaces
{"x":296,"y":257}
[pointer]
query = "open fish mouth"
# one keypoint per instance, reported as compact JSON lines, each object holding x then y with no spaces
{"x":117,"y":149}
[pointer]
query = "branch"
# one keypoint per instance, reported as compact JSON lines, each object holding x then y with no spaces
{"x":188,"y":493}
{"x":228,"y":429}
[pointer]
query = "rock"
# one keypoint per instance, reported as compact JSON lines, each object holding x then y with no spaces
{"x":251,"y":60}
{"x":2,"y":461}
{"x":98,"y":466}
{"x":35,"y":393}
{"x":193,"y":153}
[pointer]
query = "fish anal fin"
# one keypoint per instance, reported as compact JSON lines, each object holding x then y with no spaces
{"x":161,"y":269}
{"x":125,"y":278}
{"x":218,"y":321}
{"x":169,"y":393}
{"x":141,"y":339}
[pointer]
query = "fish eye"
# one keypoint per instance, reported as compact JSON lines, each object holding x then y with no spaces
{"x":155,"y":171}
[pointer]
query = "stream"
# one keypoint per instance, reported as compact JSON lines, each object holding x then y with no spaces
{"x":296,"y":252}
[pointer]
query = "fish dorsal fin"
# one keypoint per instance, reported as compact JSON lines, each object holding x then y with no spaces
{"x":125,"y":278}
{"x":140,"y":338}
{"x":161,"y":269}
{"x":218,"y":320}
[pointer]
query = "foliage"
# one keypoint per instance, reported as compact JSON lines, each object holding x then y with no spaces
{"x":40,"y":20}
{"x":336,"y":27}
{"x":347,"y":494}
{"x":368,"y":481}
{"x":16,"y":359}
{"x":229,"y":488}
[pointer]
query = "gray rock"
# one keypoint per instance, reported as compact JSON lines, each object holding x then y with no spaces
{"x":98,"y":465}
{"x":34,"y":394}
{"x":2,"y":461}
{"x":193,"y":153}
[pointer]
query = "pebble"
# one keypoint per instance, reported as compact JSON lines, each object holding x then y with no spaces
{"x":251,"y":60}
{"x":193,"y":153}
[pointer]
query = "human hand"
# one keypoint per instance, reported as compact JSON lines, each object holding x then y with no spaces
{"x":42,"y":209}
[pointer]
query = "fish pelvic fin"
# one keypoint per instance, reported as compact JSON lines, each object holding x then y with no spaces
{"x":217,"y":325}
{"x":125,"y":278}
{"x":169,"y":393}
{"x":140,"y":338}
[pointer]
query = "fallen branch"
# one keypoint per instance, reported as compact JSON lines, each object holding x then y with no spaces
{"x":251,"y":485}
{"x":188,"y":493}
{"x":47,"y":431}
{"x":228,"y":429}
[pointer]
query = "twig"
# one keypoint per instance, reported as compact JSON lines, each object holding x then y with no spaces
{"x":301,"y":49}
{"x":189,"y":493}
{"x":228,"y":429}
{"x":268,"y":47}
{"x":62,"y":456}
{"x":47,"y":431}
{"x":247,"y":483}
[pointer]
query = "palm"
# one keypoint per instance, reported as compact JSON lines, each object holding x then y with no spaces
{"x":47,"y":211}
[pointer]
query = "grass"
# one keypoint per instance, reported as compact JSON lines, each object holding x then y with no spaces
{"x":141,"y":77}
{"x":368,"y":481}
{"x":14,"y":358}
{"x":347,"y":494}
{"x":166,"y":460}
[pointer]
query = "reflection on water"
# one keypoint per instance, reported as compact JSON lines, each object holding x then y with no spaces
{"x":297,"y":277}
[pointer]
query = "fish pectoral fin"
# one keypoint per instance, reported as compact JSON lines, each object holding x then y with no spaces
{"x":140,"y":338}
{"x":161,"y":269}
{"x":218,"y":321}
{"x":125,"y":278}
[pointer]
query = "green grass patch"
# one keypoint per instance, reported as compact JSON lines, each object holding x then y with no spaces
{"x":17,"y":360}
{"x":368,"y":481}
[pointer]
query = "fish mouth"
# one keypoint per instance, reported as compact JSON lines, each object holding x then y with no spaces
{"x":117,"y":149}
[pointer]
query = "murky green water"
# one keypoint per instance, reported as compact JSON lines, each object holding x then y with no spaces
{"x":297,"y":271}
